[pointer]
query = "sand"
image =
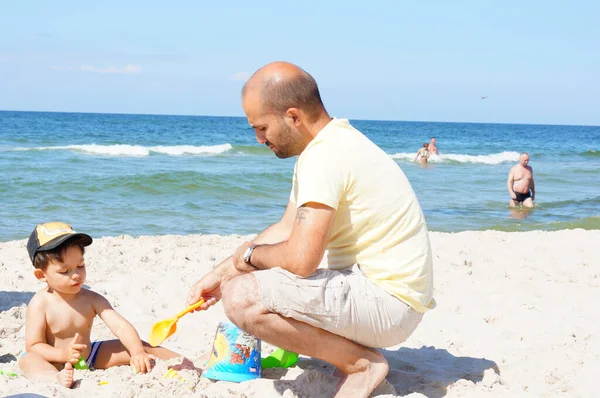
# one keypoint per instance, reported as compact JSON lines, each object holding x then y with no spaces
{"x":516,"y":316}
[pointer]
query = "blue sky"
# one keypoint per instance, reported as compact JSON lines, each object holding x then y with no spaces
{"x":536,"y":61}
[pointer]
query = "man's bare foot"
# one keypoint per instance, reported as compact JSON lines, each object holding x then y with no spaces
{"x":372,"y":371}
{"x":65,"y":376}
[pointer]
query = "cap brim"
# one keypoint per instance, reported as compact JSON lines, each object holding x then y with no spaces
{"x":86,"y":240}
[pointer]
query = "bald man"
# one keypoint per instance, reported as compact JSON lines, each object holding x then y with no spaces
{"x":432,"y":148}
{"x":520,"y":184}
{"x":348,"y":267}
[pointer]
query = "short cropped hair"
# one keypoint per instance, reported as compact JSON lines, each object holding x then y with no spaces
{"x":299,"y":91}
{"x":43,"y":258}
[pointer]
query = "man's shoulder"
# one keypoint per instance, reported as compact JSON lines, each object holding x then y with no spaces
{"x":340,"y":129}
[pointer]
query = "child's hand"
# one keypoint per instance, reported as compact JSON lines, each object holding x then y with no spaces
{"x":142,"y":362}
{"x":74,"y":350}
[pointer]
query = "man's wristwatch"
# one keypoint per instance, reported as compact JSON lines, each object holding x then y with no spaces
{"x":248,"y":256}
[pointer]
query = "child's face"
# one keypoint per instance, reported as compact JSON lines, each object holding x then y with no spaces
{"x":66,"y":277}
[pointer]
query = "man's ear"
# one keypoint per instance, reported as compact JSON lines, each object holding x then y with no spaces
{"x":295,"y":115}
{"x":39,"y":274}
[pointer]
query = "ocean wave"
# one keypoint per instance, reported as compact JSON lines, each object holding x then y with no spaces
{"x":191,"y":149}
{"x":591,"y":153}
{"x":252,"y":150}
{"x":181,"y":182}
{"x":564,"y":203}
{"x":137,"y":150}
{"x":495,"y":158}
{"x":587,"y":223}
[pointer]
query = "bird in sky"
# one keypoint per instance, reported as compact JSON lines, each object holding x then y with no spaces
{"x":484,"y":97}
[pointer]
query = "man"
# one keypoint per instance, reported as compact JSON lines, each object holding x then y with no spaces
{"x":432,"y":148}
{"x":520,"y":183}
{"x":349,"y":264}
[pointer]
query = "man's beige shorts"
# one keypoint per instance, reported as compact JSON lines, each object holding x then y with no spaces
{"x":343,"y":302}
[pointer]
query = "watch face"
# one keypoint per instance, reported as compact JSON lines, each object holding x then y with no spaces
{"x":248,"y":254}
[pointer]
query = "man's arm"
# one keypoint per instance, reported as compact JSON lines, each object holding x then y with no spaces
{"x":281,"y":230}
{"x":532,"y":186}
{"x":209,"y":286}
{"x":302,"y":252}
{"x":278,"y":232}
{"x":509,"y":183}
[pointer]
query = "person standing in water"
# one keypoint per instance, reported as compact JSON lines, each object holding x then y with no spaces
{"x":520,"y":184}
{"x":433,"y":150}
{"x":422,"y":154}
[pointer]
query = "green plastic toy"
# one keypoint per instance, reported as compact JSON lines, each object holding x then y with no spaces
{"x":81,"y":364}
{"x":280,"y":358}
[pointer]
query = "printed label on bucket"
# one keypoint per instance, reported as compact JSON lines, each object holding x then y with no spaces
{"x":235,"y":355}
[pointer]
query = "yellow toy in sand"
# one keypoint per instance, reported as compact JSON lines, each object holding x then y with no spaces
{"x":165,"y":328}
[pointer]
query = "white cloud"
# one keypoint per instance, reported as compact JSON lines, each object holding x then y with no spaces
{"x":240,"y":76}
{"x":127,"y":70}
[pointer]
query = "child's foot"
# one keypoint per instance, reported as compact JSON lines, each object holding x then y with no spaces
{"x":65,"y":376}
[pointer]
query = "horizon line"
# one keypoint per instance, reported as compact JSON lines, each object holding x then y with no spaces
{"x":356,"y":119}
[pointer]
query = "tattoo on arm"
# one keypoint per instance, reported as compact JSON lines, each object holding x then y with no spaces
{"x":301,"y":214}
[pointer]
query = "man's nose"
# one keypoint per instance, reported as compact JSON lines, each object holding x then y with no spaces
{"x":260,"y":138}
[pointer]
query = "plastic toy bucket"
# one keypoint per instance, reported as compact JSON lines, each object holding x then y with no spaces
{"x":235,"y":355}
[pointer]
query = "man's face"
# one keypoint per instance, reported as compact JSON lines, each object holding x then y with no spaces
{"x":524,"y":159}
{"x":272,"y":130}
{"x":433,"y":141}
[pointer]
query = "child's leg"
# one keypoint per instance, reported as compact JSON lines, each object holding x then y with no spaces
{"x":37,"y":368}
{"x":160,"y":352}
{"x":113,"y":353}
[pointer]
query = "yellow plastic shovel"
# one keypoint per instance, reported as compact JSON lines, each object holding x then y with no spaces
{"x":165,"y":328}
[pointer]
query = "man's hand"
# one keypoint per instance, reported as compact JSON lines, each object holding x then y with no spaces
{"x":208,"y":288}
{"x":142,"y":362}
{"x":74,"y":350}
{"x":238,"y":258}
{"x":513,"y":196}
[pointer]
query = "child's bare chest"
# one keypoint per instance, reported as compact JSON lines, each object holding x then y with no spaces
{"x":63,"y":321}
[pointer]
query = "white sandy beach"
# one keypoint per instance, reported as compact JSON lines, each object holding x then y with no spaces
{"x":516,"y":316}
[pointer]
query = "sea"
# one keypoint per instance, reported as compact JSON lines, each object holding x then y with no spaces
{"x":118,"y":174}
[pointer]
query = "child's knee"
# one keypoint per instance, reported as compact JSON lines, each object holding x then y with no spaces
{"x":21,"y":359}
{"x":29,"y":361}
{"x":25,"y":358}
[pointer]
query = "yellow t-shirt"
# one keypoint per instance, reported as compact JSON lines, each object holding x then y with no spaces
{"x":378,"y":223}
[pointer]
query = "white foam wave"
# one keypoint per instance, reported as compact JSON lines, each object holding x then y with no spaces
{"x":191,"y":149}
{"x":495,"y":158}
{"x":403,"y":156}
{"x":137,"y":150}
